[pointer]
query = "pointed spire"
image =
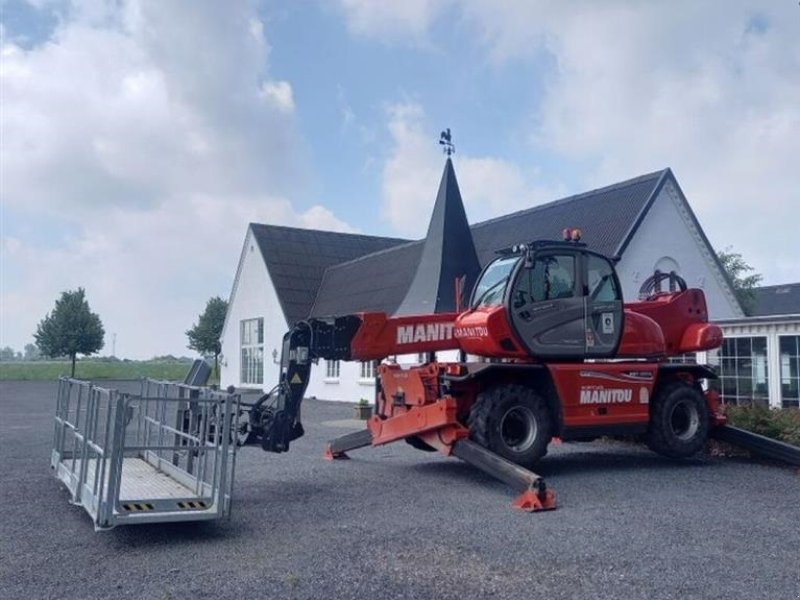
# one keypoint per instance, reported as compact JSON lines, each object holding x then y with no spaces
{"x":448,"y":253}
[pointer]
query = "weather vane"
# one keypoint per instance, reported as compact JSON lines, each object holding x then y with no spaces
{"x":446,"y":141}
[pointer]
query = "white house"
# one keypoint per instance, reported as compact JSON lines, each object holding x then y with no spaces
{"x":759,"y":360}
{"x":287,"y":274}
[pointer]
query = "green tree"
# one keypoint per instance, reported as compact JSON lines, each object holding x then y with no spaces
{"x":204,"y":335}
{"x":32,"y":352}
{"x":743,"y":277}
{"x":7,"y":353}
{"x":71,"y":329}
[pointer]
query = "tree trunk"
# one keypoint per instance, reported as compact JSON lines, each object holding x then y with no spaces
{"x":73,"y":366}
{"x":216,"y":365}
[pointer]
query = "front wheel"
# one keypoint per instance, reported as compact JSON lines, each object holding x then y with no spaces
{"x":679,"y":421}
{"x":512,"y":421}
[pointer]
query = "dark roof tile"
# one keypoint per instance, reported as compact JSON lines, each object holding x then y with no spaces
{"x":297,"y":259}
{"x":777,"y":300}
{"x":379,"y":281}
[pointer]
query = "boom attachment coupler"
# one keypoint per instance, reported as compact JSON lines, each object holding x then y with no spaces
{"x":274,"y":420}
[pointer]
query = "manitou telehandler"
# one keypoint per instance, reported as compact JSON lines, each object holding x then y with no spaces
{"x":547,"y":349}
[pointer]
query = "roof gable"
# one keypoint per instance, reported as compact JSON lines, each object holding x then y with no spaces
{"x":608,"y":217}
{"x":296,"y":260}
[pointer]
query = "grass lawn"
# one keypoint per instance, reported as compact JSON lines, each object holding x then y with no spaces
{"x":95,"y":369}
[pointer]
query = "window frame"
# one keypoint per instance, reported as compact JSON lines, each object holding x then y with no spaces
{"x":367,"y":370}
{"x":792,"y":401}
{"x":737,"y":368}
{"x":251,"y":351}
{"x":333,"y":370}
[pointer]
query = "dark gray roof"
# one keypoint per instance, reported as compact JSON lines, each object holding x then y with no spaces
{"x":448,"y":253}
{"x":297,"y":258}
{"x":608,"y":216}
{"x":777,"y":300}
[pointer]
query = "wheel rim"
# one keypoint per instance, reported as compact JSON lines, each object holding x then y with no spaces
{"x":518,"y":428}
{"x":684,"y":420}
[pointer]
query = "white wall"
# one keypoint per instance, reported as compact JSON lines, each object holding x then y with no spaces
{"x":668,"y":232}
{"x":350,"y":387}
{"x":253,"y":296}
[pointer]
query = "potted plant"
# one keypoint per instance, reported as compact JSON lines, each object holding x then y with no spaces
{"x":363,"y":409}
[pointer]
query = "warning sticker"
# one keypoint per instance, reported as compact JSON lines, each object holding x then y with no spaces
{"x":608,"y":322}
{"x":644,"y":396}
{"x":296,"y":379}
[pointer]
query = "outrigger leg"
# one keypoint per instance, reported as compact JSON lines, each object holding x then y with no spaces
{"x":337,"y":448}
{"x":436,"y":425}
{"x":534,"y":495}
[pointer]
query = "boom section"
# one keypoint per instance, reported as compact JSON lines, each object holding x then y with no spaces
{"x":274,"y":420}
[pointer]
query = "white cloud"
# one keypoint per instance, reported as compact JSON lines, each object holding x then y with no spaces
{"x":489,"y":186}
{"x":279,"y":93}
{"x":715,"y":94}
{"x":712,"y":91}
{"x":391,"y":19}
{"x":138,"y":143}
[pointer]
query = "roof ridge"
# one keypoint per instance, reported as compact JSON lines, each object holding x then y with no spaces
{"x":656,"y":175}
{"x":376,"y":253}
{"x":344,"y":233}
{"x":777,"y":285}
{"x":621,"y":184}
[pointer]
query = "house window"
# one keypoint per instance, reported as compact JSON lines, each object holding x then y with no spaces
{"x":790,"y":369}
{"x":743,"y":373}
{"x":690,"y":358}
{"x":368,"y":370}
{"x":332,"y":369}
{"x":251,"y":335}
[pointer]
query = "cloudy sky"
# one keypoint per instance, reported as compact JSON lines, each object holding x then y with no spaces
{"x":139,"y":137}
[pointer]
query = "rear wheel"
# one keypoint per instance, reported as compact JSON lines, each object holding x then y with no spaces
{"x":679,"y":421}
{"x":512,"y":421}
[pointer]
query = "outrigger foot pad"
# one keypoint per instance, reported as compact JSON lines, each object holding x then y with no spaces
{"x":328,"y":454}
{"x":532,"y":501}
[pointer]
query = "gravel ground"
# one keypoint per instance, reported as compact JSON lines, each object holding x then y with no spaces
{"x":395,"y":522}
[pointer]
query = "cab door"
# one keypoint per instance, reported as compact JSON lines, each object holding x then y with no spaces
{"x":546,"y":305}
{"x":604,"y":310}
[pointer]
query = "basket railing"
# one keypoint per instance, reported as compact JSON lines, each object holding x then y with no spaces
{"x":167,"y":453}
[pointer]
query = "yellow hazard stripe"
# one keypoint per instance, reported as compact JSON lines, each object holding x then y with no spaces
{"x":137,"y":507}
{"x":192,"y":505}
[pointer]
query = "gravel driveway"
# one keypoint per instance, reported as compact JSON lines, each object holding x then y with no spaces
{"x":394,"y":522}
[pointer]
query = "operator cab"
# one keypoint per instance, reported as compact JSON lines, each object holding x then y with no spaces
{"x":562,"y":300}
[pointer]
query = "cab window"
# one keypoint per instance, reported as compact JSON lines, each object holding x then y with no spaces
{"x":551,"y":277}
{"x":600,"y":279}
{"x":489,"y":290}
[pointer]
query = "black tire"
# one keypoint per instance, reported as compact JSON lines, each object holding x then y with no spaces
{"x":679,"y":421}
{"x":416,"y":442}
{"x":512,"y":421}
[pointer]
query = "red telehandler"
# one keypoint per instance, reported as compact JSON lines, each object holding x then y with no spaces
{"x":547,"y":349}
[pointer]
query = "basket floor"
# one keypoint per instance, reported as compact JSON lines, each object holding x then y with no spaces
{"x":140,"y":480}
